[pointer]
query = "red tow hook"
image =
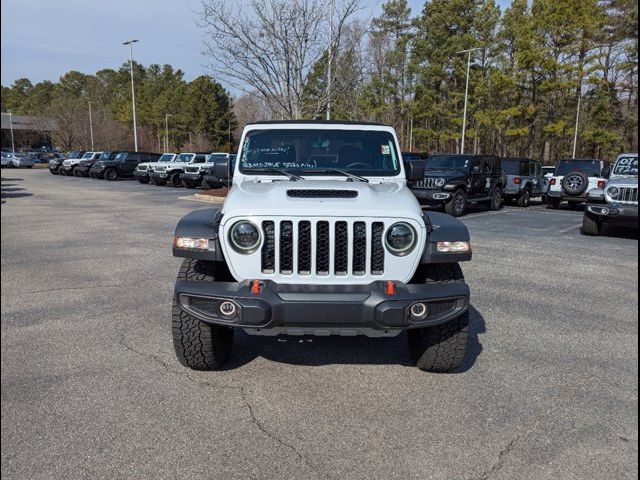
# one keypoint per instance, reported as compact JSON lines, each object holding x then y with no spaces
{"x":255,"y":287}
{"x":391,"y":288}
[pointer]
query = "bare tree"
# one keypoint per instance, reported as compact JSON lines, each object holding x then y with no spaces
{"x":270,"y":46}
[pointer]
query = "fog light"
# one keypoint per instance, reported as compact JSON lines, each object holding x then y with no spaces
{"x":419,"y":311}
{"x":191,"y":243}
{"x":454,"y":247}
{"x":228,"y":309}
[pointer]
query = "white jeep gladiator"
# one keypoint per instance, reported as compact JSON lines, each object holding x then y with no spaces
{"x":320,"y":235}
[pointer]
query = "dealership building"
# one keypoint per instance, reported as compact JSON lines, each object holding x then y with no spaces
{"x":29,"y":132}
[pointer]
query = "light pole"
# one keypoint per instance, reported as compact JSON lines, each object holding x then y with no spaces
{"x":133,"y":92}
{"x":575,"y":134}
{"x":466,"y":95}
{"x":13,"y":147}
{"x":166,"y":131}
{"x":90,"y":125}
{"x":329,"y":60}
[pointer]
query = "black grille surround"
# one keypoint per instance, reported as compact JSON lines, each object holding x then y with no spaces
{"x":322,"y":193}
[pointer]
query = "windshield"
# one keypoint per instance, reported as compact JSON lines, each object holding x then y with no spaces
{"x":368,"y":153}
{"x":448,"y":162}
{"x":515,"y":167}
{"x":589,"y":167}
{"x":121,"y":156}
{"x":88,"y":155}
{"x":626,"y":166}
{"x":184,"y":157}
{"x":166,"y":157}
{"x":105,"y":156}
{"x":216,"y":156}
{"x":75,"y":154}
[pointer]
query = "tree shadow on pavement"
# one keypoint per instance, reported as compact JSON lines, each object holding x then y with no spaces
{"x":335,"y":350}
{"x":12,"y":190}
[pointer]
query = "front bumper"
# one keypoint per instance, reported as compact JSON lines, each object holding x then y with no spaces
{"x":322,"y":309}
{"x":83,"y":169}
{"x":614,"y":213}
{"x":54,"y":168}
{"x":212,"y":182}
{"x":431,"y":197}
{"x":193,"y":179}
{"x":140,"y":174}
{"x":159,"y":175}
{"x":96,"y":173}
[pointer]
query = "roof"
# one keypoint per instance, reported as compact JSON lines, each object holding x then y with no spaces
{"x":27,"y":122}
{"x":318,"y":122}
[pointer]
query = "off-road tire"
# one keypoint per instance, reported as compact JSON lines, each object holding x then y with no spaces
{"x":524,"y":200}
{"x":190,"y":186}
{"x":174,"y":180}
{"x":198,"y":345}
{"x":111,"y":174}
{"x":496,"y":200}
{"x":591,"y":226}
{"x":143,"y":180}
{"x":441,"y":348}
{"x":157,"y":183}
{"x":457,"y":206}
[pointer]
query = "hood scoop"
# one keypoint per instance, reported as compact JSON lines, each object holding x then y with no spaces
{"x":322,"y":193}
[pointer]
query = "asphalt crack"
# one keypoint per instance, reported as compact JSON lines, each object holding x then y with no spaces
{"x":253,"y":419}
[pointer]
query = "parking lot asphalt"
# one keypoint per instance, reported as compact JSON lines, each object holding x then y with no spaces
{"x":91,"y":387}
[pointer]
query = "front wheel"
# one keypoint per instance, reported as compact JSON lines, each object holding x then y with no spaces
{"x":457,"y":205}
{"x":441,"y":348}
{"x":174,"y":180}
{"x":525,"y":199}
{"x":591,"y":226}
{"x":198,"y":345}
{"x":157,"y":182}
{"x":143,"y":180}
{"x":111,"y":175}
{"x":496,"y":200}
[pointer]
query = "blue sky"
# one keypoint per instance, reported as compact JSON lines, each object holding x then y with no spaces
{"x":43,"y":39}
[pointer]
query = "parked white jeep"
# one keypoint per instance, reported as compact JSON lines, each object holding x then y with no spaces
{"x":319,"y":235}
{"x":142,"y":171}
{"x":168,"y":173}
{"x":69,"y":165}
{"x":572,"y":180}
{"x":617,"y":202}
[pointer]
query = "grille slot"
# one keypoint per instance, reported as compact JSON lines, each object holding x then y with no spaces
{"x":142,"y":168}
{"x":319,"y":193}
{"x":286,"y":247}
{"x":359,"y":266}
{"x":441,"y":308}
{"x":322,"y":248}
{"x":377,"y":250}
{"x":269,"y":247}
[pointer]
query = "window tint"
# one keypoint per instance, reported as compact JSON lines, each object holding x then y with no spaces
{"x":476,"y":165}
{"x":200,"y":159}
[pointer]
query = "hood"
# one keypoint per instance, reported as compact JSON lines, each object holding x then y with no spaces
{"x":623,"y":181}
{"x":448,"y":174}
{"x":361,"y":199}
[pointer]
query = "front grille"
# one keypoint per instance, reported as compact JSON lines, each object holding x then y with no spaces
{"x":142,"y":168}
{"x":428,"y":183}
{"x":319,"y":193}
{"x":628,"y":195}
{"x":159,"y":169}
{"x":322,"y":248}
{"x":192,"y":169}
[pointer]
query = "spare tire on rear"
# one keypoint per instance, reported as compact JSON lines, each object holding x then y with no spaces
{"x":575,"y":184}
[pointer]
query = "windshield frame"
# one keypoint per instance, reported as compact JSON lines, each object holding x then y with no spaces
{"x":323,"y":132}
{"x":452,"y":166}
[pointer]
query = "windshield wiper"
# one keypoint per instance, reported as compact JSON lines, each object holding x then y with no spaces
{"x":339,"y":172}
{"x":293,"y":177}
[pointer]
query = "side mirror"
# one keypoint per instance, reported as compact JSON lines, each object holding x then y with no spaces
{"x":221,"y":169}
{"x":414,"y":170}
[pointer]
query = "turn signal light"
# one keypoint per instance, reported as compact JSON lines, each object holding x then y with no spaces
{"x":191,"y":243}
{"x":454,"y":247}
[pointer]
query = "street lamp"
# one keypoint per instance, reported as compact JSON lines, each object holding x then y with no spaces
{"x":166,"y":131}
{"x":575,"y":134}
{"x":133,"y":92}
{"x":13,"y":147}
{"x":90,"y":125}
{"x":329,"y":59}
{"x":466,"y":95}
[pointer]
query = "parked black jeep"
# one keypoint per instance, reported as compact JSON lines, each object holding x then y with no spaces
{"x":122,"y":165}
{"x":84,"y":166}
{"x":454,"y":181}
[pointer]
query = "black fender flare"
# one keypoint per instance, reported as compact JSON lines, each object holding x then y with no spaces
{"x":444,"y":228}
{"x":203,"y":223}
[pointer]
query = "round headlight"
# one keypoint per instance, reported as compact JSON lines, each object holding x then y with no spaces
{"x":440,"y":182}
{"x":613,"y":192}
{"x":244,"y":237}
{"x":401,"y":239}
